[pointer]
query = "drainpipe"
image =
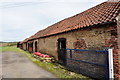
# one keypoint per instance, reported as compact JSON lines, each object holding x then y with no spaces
{"x":110,"y":58}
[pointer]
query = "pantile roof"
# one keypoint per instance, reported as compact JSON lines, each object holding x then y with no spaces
{"x":102,"y":13}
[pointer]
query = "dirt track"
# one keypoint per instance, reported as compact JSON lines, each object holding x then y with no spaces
{"x":16,"y":65}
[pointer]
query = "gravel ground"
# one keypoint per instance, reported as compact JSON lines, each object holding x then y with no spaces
{"x":16,"y":65}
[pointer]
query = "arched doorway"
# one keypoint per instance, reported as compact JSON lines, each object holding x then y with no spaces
{"x":62,"y":50}
{"x":36,"y":46}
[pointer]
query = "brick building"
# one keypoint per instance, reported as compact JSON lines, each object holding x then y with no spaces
{"x":97,"y":28}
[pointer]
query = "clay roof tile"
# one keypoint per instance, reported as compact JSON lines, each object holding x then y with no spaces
{"x":104,"y":12}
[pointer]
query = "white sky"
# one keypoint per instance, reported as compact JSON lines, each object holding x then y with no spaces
{"x":20,"y":19}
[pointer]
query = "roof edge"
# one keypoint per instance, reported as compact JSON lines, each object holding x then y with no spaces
{"x":99,"y":24}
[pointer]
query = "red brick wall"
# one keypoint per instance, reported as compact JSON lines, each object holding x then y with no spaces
{"x":113,"y":43}
{"x":116,"y":64}
{"x":117,"y":52}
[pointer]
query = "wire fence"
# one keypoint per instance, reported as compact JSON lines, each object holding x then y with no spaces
{"x":92,"y":63}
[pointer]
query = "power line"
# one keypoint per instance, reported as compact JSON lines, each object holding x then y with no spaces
{"x":20,"y":4}
{"x":16,"y":4}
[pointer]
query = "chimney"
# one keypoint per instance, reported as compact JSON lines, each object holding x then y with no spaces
{"x":113,"y":0}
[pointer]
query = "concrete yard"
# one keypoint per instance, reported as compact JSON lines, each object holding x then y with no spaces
{"x":16,"y":65}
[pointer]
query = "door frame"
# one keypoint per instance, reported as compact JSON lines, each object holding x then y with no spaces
{"x":61,"y":48}
{"x":36,"y":46}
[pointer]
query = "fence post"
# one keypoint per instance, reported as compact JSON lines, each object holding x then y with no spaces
{"x":111,"y":71}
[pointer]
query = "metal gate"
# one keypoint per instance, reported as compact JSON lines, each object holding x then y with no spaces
{"x":93,"y":63}
{"x":62,"y":56}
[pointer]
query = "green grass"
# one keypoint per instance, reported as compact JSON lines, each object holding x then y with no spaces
{"x":10,"y":48}
{"x":7,"y":44}
{"x":57,"y":70}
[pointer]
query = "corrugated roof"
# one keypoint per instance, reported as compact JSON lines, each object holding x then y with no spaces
{"x":102,"y":13}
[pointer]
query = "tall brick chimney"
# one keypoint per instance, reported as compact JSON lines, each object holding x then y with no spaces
{"x":113,"y":0}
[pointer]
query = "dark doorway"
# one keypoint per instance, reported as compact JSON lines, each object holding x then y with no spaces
{"x":30,"y":47}
{"x":62,"y":51}
{"x":18,"y":44}
{"x":36,"y":46}
{"x":26,"y":46}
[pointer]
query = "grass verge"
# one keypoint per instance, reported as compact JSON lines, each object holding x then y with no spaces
{"x":51,"y":67}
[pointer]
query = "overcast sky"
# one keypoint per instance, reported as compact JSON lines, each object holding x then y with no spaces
{"x":20,"y":19}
